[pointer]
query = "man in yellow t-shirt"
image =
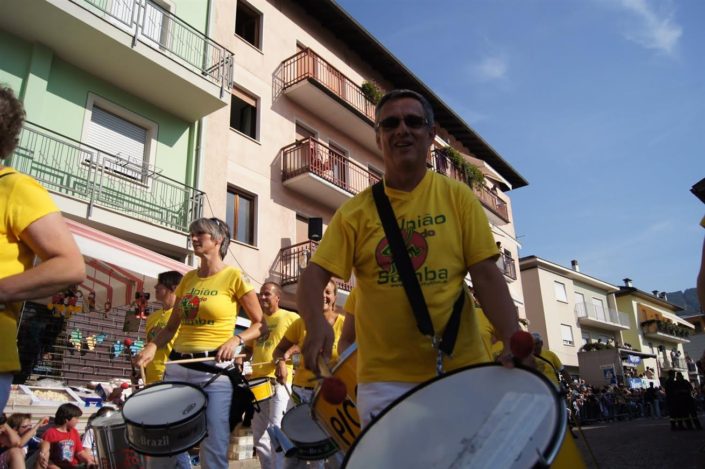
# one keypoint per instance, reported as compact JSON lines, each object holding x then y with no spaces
{"x":164,"y":292}
{"x":30,"y":225}
{"x":272,"y":410}
{"x":447,"y":236}
{"x":548,"y":363}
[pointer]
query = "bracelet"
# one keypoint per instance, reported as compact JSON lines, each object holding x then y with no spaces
{"x":280,"y":359}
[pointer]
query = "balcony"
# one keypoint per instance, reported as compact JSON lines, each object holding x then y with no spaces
{"x":497,"y":207}
{"x":316,"y":85}
{"x":612,"y":320}
{"x":320,"y":173}
{"x":135,"y":45}
{"x":665,"y":331}
{"x":294,"y":259}
{"x":677,"y":364}
{"x":84,"y":173}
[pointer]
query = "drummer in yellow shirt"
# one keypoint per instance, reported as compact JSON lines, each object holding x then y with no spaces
{"x":164,"y":291}
{"x":272,"y":410}
{"x":304,"y":380}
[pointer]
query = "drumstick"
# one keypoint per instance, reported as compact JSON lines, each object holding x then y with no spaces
{"x":143,"y":376}
{"x":269,"y":362}
{"x":196,"y":360}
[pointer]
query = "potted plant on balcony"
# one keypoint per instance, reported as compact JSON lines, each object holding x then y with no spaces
{"x":371,"y":91}
{"x":650,"y":326}
{"x":472,"y":175}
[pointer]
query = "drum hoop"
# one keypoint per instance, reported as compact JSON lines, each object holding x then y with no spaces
{"x":178,"y":422}
{"x":254,"y":382}
{"x":164,"y":455}
{"x":313,"y":419}
{"x":352,"y":348}
{"x":549,"y":454}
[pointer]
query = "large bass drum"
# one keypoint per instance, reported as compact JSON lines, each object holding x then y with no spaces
{"x":483,"y":416}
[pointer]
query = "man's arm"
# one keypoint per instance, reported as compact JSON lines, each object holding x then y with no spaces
{"x":319,"y":334}
{"x":347,"y":336}
{"x":492,"y":291}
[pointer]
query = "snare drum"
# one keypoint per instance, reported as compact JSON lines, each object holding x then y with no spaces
{"x":341,"y":421}
{"x":482,"y":416}
{"x":311,"y":442}
{"x":261,"y":388}
{"x":164,"y":419}
{"x":115,"y":453}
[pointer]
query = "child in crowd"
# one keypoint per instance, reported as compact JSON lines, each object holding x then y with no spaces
{"x":11,"y":456}
{"x":61,"y":446}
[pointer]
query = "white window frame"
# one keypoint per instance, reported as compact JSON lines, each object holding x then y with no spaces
{"x":260,"y":27}
{"x":235,"y":92}
{"x":566,"y":328}
{"x":599,"y":307}
{"x":152,"y":128}
{"x":560,"y":291}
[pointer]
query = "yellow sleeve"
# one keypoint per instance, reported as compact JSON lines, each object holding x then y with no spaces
{"x":335,"y":252}
{"x":30,"y":203}
{"x":478,"y":242}
{"x":296,"y":332}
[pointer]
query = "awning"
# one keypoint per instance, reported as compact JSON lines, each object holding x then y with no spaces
{"x":116,"y":251}
{"x":625,"y":351}
{"x":648,"y":313}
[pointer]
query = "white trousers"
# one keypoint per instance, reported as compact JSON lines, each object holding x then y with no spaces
{"x":373,"y":398}
{"x":214,"y":448}
{"x":271,"y":412}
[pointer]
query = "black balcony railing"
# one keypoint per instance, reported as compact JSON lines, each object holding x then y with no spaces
{"x":66,"y":166}
{"x":293,"y":261}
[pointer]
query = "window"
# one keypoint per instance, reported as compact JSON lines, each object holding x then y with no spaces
{"x":586,"y":338}
{"x":248,"y":24}
{"x":559,"y":289}
{"x":243,"y":113}
{"x":567,"y":334}
{"x":124,"y":138}
{"x":580,"y":307}
{"x":599,"y":309}
{"x":240,"y":215}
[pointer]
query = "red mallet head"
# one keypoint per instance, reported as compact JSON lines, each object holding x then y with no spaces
{"x":521,"y":344}
{"x":333,"y":390}
{"x":124,"y":385}
{"x":127,"y":342}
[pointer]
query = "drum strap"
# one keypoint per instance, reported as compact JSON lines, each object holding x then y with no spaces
{"x":400,"y":254}
{"x":243,"y":402}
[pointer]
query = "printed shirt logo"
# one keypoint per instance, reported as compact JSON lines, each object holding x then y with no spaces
{"x":416,"y":247}
{"x":189,"y":306}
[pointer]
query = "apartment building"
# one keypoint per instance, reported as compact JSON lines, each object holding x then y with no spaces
{"x":602,"y":332}
{"x":115,"y":92}
{"x":570,"y":308}
{"x":298,"y":139}
{"x":659,"y":330}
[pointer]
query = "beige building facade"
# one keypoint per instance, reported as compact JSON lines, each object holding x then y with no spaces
{"x":297,"y":139}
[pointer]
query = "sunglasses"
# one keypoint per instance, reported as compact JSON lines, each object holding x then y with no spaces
{"x":412,"y":121}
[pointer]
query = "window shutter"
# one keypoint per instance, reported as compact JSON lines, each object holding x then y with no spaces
{"x":118,"y":137}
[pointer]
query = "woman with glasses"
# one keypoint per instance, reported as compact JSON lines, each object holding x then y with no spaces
{"x":205,"y":313}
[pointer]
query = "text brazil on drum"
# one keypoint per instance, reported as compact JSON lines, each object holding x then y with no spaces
{"x":457,"y":240}
{"x":205,"y":314}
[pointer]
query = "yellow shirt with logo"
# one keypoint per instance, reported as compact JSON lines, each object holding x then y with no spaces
{"x":22,"y":202}
{"x":551,"y":370}
{"x":263,"y":347}
{"x":296,"y":334}
{"x":446,"y":231}
{"x":208,"y":308}
{"x":154,"y":371}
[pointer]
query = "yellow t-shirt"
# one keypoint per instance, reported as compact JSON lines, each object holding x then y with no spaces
{"x":492,"y":344}
{"x":448,"y":232}
{"x":209,"y":309}
{"x":296,"y":334}
{"x":22,"y":202}
{"x":550,"y":371}
{"x":350,"y":302}
{"x":263,"y":347}
{"x":154,"y":371}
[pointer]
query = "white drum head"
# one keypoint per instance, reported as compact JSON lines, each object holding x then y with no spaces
{"x":164,"y":403}
{"x":484,"y":416}
{"x":298,"y":424}
{"x":113,"y":420}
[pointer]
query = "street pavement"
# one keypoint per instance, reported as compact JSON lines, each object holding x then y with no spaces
{"x":642,"y":443}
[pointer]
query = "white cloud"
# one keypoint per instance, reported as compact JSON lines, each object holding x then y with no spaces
{"x":656,"y":28}
{"x":490,"y":69}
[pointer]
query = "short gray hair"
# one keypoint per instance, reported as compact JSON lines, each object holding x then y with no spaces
{"x":218,"y":230}
{"x":402,"y":93}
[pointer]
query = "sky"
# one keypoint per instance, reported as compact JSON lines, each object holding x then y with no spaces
{"x":599,"y":104}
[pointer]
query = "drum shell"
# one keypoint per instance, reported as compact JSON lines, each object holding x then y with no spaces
{"x":341,"y":421}
{"x":176,"y":433}
{"x":261,"y":388}
{"x":296,"y":424}
{"x":114,"y":451}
